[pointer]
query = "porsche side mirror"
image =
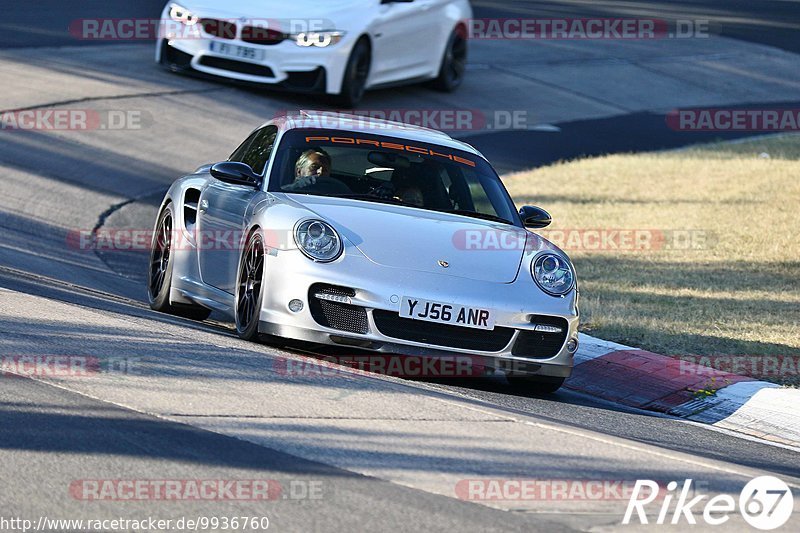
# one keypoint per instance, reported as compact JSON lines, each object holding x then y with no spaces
{"x":535,"y":217}
{"x":236,"y":173}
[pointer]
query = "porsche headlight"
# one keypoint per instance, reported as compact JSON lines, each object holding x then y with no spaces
{"x":553,"y":274}
{"x":318,"y":240}
{"x":180,"y":14}
{"x":320,"y":39}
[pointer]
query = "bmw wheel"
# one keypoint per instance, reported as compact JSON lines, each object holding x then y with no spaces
{"x":454,"y":63}
{"x":355,"y":76}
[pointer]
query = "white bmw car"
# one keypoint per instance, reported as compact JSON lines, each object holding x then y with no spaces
{"x":371,"y":236}
{"x":335,"y":47}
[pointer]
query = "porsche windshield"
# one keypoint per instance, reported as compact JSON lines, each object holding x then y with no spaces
{"x":383,"y":169}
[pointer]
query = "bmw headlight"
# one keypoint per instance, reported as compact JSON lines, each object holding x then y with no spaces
{"x":320,"y":39}
{"x":318,"y":240}
{"x":180,"y":14}
{"x":553,"y":274}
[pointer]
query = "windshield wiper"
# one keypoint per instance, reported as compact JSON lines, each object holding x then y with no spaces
{"x":372,"y":197}
{"x":476,"y":214}
{"x":396,"y":201}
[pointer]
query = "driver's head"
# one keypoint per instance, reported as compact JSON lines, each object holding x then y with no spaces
{"x":313,"y":162}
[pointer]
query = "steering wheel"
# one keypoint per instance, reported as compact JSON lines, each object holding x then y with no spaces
{"x":328,"y":185}
{"x":384,"y":190}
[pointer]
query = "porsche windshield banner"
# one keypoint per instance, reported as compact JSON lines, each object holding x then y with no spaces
{"x":358,"y":141}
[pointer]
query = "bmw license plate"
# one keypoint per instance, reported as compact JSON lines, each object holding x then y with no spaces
{"x":453,"y":314}
{"x":234,"y":50}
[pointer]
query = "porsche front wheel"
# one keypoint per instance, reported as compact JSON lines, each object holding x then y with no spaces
{"x":249,"y":287}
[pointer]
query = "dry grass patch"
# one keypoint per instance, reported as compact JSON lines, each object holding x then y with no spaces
{"x":734,"y":290}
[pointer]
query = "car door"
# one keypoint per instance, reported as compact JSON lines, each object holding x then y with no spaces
{"x":223,"y":211}
{"x":402,"y":33}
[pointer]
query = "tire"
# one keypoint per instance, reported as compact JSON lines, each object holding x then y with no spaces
{"x":355,"y":76}
{"x":249,"y":287}
{"x":536,"y":384}
{"x":159,"y":273}
{"x":454,"y":63}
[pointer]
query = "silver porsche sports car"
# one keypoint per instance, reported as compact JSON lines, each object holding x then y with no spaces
{"x":369,"y":235}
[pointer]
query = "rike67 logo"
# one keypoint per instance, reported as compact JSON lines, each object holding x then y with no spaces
{"x":765,"y":503}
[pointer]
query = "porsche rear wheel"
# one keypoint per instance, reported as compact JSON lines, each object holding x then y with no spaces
{"x":249,"y":287}
{"x":159,"y":275}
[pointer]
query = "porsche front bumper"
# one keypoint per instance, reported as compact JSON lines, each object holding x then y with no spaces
{"x":370,"y":317}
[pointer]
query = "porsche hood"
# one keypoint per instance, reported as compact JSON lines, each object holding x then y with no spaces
{"x":426,"y":241}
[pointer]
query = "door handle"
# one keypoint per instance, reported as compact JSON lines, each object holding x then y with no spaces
{"x":203,"y":206}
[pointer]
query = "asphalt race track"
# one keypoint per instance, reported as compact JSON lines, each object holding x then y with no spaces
{"x":202,"y":404}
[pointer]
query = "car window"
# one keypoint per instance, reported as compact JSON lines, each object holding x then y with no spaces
{"x":389,"y":170}
{"x":256,"y":149}
{"x":238,"y":154}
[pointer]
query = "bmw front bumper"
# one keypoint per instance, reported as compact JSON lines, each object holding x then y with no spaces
{"x":284,"y":65}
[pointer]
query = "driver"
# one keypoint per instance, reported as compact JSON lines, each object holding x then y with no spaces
{"x":312,"y":164}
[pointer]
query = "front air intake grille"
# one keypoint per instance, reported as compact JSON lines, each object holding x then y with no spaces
{"x":237,"y":66}
{"x":313,"y":80}
{"x":538,"y":344}
{"x":223,"y":29}
{"x":337,"y":315}
{"x":393,"y":325}
{"x":175,"y":59}
{"x":265,"y":36}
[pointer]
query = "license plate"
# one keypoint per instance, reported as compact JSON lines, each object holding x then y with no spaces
{"x":234,"y":50}
{"x":453,"y":314}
